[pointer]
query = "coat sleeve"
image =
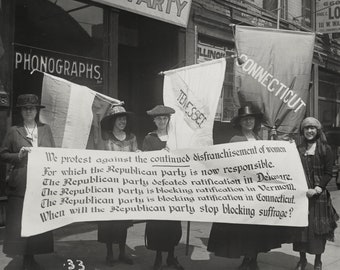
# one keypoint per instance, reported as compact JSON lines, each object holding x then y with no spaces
{"x":7,"y":152}
{"x":49,"y":132}
{"x":146,"y":144}
{"x":328,"y":167}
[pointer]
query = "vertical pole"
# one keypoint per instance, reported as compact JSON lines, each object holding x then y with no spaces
{"x":188,"y":223}
{"x":278,"y":14}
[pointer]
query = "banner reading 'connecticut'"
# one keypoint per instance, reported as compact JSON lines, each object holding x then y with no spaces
{"x":273,"y":73}
{"x":260,"y":182}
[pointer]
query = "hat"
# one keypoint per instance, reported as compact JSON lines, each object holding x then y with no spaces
{"x":161,"y":110}
{"x":310,"y":122}
{"x":243,"y":112}
{"x":111,"y":114}
{"x":28,"y":100}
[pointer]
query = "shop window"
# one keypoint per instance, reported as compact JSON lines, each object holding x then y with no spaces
{"x":272,"y":6}
{"x":306,"y":13}
{"x":60,"y":37}
{"x":329,"y":110}
{"x":208,"y":49}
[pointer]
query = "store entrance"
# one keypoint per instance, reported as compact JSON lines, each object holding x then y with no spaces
{"x":146,"y":47}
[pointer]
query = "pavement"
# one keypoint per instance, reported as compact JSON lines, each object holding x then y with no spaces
{"x":76,"y":248}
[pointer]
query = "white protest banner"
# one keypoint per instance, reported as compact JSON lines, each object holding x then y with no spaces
{"x":193,"y":92}
{"x":260,"y":182}
{"x":170,"y":11}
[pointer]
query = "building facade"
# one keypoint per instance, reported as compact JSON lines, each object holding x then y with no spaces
{"x":120,"y":51}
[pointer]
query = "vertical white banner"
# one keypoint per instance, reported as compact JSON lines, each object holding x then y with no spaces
{"x":193,"y":92}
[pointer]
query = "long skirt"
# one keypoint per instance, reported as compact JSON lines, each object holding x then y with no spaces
{"x":162,"y":235}
{"x":322,"y":219}
{"x":113,"y":231}
{"x":235,"y":240}
{"x":14,"y":244}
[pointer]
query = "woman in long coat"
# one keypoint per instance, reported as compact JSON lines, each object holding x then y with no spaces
{"x":236,"y":240}
{"x":161,"y":235}
{"x":116,"y":139}
{"x":317,"y":161}
{"x":17,"y":143}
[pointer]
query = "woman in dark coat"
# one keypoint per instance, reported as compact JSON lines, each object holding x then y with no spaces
{"x":317,"y":161}
{"x":236,"y":240}
{"x":161,"y":235}
{"x":17,"y":143}
{"x":116,"y":139}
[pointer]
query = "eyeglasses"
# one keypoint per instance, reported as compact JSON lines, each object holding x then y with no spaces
{"x":30,"y":108}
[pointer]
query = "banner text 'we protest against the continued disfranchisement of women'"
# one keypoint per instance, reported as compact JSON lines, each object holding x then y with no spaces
{"x":260,"y":182}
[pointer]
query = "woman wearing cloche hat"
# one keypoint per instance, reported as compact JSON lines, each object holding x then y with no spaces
{"x":116,"y":139}
{"x":17,"y":143}
{"x":317,"y":161}
{"x":161,"y":235}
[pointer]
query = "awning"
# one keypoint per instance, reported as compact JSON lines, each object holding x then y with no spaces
{"x":171,"y":11}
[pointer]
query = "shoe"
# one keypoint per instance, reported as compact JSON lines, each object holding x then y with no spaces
{"x":301,"y":265}
{"x":109,"y":261}
{"x":318,"y":266}
{"x":157,"y":265}
{"x":32,"y":264}
{"x":173,"y":262}
{"x":245,"y":263}
{"x":253,"y":265}
{"x":125,"y":259}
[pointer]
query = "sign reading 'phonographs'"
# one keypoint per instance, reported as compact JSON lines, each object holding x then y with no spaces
{"x":260,"y":182}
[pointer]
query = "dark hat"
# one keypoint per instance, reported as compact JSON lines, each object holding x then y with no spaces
{"x":111,"y":114}
{"x":243,"y":112}
{"x":28,"y":100}
{"x":161,"y":110}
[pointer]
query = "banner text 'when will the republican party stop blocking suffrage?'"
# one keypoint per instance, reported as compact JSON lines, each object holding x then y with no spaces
{"x":260,"y":182}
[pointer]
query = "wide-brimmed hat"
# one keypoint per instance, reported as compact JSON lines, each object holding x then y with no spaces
{"x":160,"y":110}
{"x":112,"y":113}
{"x":27,"y":100}
{"x":243,"y":112}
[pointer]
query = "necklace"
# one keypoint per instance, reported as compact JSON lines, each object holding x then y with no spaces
{"x":30,"y":132}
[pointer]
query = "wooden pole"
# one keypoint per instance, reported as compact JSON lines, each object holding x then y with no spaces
{"x":278,"y":14}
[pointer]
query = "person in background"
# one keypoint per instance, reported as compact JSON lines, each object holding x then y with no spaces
{"x":161,"y":235}
{"x":236,"y":240}
{"x":116,"y":139}
{"x":17,"y":143}
{"x":317,"y":161}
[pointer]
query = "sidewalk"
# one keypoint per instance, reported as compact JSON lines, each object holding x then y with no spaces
{"x":79,"y":242}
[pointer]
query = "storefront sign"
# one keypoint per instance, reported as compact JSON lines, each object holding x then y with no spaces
{"x":59,"y":64}
{"x":251,"y":19}
{"x":171,"y":11}
{"x":259,"y":182}
{"x":328,"y":16}
{"x":207,"y":52}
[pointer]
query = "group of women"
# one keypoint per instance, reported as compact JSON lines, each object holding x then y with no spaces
{"x":226,"y":240}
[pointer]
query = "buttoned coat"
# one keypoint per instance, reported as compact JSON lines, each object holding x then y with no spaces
{"x":14,"y":244}
{"x":16,"y":138}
